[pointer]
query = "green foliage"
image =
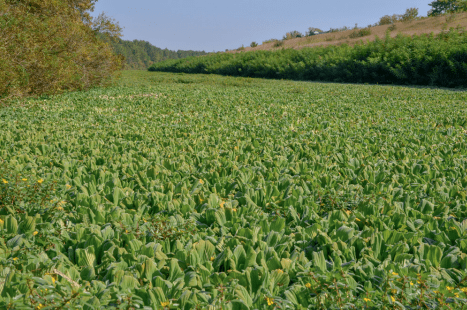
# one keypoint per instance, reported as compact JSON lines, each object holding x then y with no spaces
{"x":278,"y":43}
{"x":49,"y":46}
{"x":360,"y":33}
{"x":312,"y":30}
{"x":141,"y":54}
{"x":409,"y":15}
{"x":292,"y":35}
{"x":195,"y":191}
{"x":253,"y":44}
{"x":420,"y":60}
{"x":447,"y":6}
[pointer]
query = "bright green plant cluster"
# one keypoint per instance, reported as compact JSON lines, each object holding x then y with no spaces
{"x":176,"y":191}
{"x":421,"y":60}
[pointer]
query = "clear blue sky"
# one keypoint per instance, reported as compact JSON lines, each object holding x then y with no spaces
{"x":216,"y":25}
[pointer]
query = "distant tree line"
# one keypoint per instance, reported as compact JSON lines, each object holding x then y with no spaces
{"x":140,"y":54}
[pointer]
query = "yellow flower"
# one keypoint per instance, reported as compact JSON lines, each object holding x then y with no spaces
{"x":212,"y":258}
{"x":126,"y":231}
{"x":456,"y":295}
{"x":1,"y":222}
{"x":221,"y":204}
{"x":280,"y":271}
{"x":449,"y":288}
{"x":39,"y":306}
{"x":165,"y":303}
{"x":4,"y":181}
{"x":436,"y":292}
{"x":15,"y":258}
{"x":308,"y":285}
{"x":357,"y":219}
{"x":35,"y":233}
{"x":393,"y":299}
{"x":24,"y":179}
{"x":270,"y":301}
{"x":68,"y":186}
{"x":40,"y":181}
{"x":411,"y":283}
{"x":463,"y":289}
{"x":201,"y":181}
{"x":395,"y":274}
{"x":60,"y":209}
{"x":366,"y":299}
{"x":394,"y":291}
{"x":234,"y":210}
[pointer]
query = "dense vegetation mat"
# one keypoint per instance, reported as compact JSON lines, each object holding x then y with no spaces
{"x":436,"y":60}
{"x":181,"y":192}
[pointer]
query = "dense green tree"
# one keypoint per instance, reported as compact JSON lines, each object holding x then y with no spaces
{"x":447,"y":6}
{"x":49,"y":46}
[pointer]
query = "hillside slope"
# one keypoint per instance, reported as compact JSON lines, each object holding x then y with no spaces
{"x":423,"y":25}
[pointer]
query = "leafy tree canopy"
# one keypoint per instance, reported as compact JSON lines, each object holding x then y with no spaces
{"x":447,"y":6}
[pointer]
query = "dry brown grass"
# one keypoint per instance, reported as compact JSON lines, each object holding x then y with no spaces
{"x":416,"y":27}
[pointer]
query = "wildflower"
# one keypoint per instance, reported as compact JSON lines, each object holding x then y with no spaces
{"x":4,"y":181}
{"x":280,"y":271}
{"x":126,"y":231}
{"x":456,"y":295}
{"x":212,"y":258}
{"x":40,"y":181}
{"x":449,"y":288}
{"x":24,"y":179}
{"x":436,"y":292}
{"x":366,"y":299}
{"x":411,"y":283}
{"x":270,"y":301}
{"x":1,"y":222}
{"x":201,"y":181}
{"x":463,"y":289}
{"x":68,"y":186}
{"x":308,"y":285}
{"x":165,"y":303}
{"x":357,"y":219}
{"x":395,"y":273}
{"x":393,"y":299}
{"x":39,"y":306}
{"x":234,"y":210}
{"x":15,"y":258}
{"x":394,"y":291}
{"x":35,"y":233}
{"x":221,"y":204}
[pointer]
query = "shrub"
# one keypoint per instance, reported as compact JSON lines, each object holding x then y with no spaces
{"x":387,"y":20}
{"x":409,"y":15}
{"x":339,"y":29}
{"x":360,"y":33}
{"x":292,"y":35}
{"x":278,"y":43}
{"x":253,"y":44}
{"x":311,"y":31}
{"x":392,"y":27}
{"x":269,"y":41}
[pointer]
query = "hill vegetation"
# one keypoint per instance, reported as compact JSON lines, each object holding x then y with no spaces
{"x":141,"y":54}
{"x":407,"y":24}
